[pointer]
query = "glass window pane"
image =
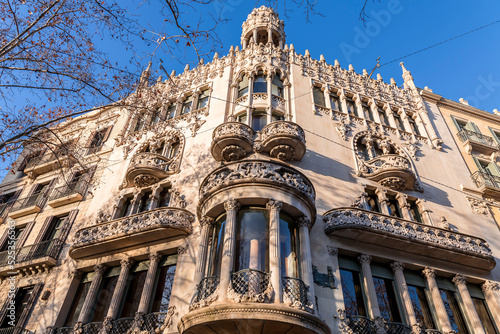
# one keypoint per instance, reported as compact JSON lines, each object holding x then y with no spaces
{"x":386,"y":299}
{"x":421,"y":307}
{"x":217,"y":245}
{"x":259,"y":121}
{"x":484,"y":315}
{"x":277,"y":86}
{"x":260,"y":84}
{"x":77,"y":304}
{"x":453,"y":310}
{"x":171,"y":111}
{"x":319,"y":96}
{"x":353,"y":296}
{"x":289,"y":246}
{"x":104,"y":298}
{"x":133,"y":291}
{"x":243,"y":86}
{"x":252,"y":235}
{"x":161,"y":298}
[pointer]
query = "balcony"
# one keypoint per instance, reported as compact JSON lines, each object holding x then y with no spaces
{"x":131,"y":232}
{"x":477,"y":142}
{"x":391,"y":170}
{"x":361,"y":324}
{"x":251,"y":307}
{"x":69,"y":193}
{"x":14,"y":330}
{"x":232,"y":141}
{"x":4,"y":209}
{"x":147,"y":168}
{"x":42,"y":164}
{"x":28,"y":205}
{"x":142,"y":323}
{"x":488,"y":184}
{"x":31,"y":259}
{"x":283,"y":140}
{"x":409,"y":237}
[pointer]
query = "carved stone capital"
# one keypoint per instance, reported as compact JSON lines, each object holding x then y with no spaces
{"x":397,"y":266}
{"x":207,"y":221}
{"x":231,"y":205}
{"x":490,"y":286}
{"x":459,"y":280}
{"x":274,"y":205}
{"x":182,"y":249}
{"x":75,"y":274}
{"x":304,"y":221}
{"x":364,"y":259}
{"x":429,"y":272}
{"x":126,"y":263}
{"x":100,"y":269}
{"x":155,"y":257}
{"x":333,"y":251}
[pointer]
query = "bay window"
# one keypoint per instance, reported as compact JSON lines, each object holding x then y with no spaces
{"x":260,"y":83}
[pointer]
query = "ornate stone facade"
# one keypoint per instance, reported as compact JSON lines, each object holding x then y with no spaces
{"x":226,"y":204}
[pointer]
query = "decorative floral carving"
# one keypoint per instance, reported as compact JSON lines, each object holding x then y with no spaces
{"x":343,"y":128}
{"x":394,"y":183}
{"x":282,"y":152}
{"x":413,"y":231}
{"x":144,"y":180}
{"x":479,"y":207}
{"x":283,"y":128}
{"x":233,"y":153}
{"x":257,"y":172}
{"x":166,"y":217}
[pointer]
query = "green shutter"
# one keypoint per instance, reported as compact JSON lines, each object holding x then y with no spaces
{"x":494,"y":169}
{"x":456,"y":123}
{"x":478,"y":164}
{"x":494,"y":135}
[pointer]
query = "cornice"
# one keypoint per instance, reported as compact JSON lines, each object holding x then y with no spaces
{"x":469,"y":110}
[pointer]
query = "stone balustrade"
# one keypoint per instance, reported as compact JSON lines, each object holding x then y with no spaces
{"x":390,"y":170}
{"x":232,"y":141}
{"x":425,"y":240}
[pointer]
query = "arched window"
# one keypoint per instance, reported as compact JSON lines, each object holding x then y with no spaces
{"x":277,"y":86}
{"x":243,"y":86}
{"x":260,"y":83}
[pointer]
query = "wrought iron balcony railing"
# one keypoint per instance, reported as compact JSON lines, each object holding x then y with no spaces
{"x":78,"y":187}
{"x":14,"y":330}
{"x":482,"y":179}
{"x":361,"y":325}
{"x":377,"y":228}
{"x":40,"y":160}
{"x":5,"y":208}
{"x":93,"y":149}
{"x":36,"y":199}
{"x":250,"y":285}
{"x":148,"y":323}
{"x":49,"y":248}
{"x":397,"y":328}
{"x":465,"y":135}
{"x":295,"y":293}
{"x":206,"y":291}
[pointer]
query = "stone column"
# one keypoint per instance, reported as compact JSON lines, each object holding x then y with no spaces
{"x":334,"y":262}
{"x":119,"y":289}
{"x":427,"y":124}
{"x":425,"y":213}
{"x":372,"y":301}
{"x":382,"y":199}
{"x":390,"y":116}
{"x":461,"y":283}
{"x":288,"y":100}
{"x":442,"y":315}
{"x":250,"y":100}
{"x":359,"y":106}
{"x":227,"y":260}
{"x":404,"y":117}
{"x":269,"y":80}
{"x":269,"y":35}
{"x":304,"y":224}
{"x":397,"y":268}
{"x":135,"y":203}
{"x":274,"y":208}
{"x":155,"y":197}
{"x":154,"y":260}
{"x":363,"y":200}
{"x":326,"y":94}
{"x":206,"y":224}
{"x":491,"y":290}
{"x":404,"y":206}
{"x":90,"y":299}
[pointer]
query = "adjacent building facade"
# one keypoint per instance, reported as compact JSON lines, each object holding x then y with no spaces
{"x":263,"y":192}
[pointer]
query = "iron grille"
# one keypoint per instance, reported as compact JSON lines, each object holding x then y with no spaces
{"x":207,"y":287}
{"x":14,"y":330}
{"x":295,"y":290}
{"x":152,"y":321}
{"x":78,"y":187}
{"x":92,"y":328}
{"x":48,"y":248}
{"x":122,"y":325}
{"x":250,"y":282}
{"x":29,"y":201}
{"x":465,"y":135}
{"x":361,"y":325}
{"x":63,"y":330}
{"x":485,"y":179}
{"x":432,"y":331}
{"x":397,"y":328}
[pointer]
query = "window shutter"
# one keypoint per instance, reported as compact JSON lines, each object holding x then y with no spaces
{"x":91,"y":138}
{"x":106,"y":135}
{"x":472,"y":127}
{"x":46,"y":192}
{"x":44,"y":229}
{"x":494,"y":169}
{"x":24,"y":235}
{"x":494,"y":135}
{"x":3,"y":240}
{"x":29,"y":305}
{"x":9,"y":206}
{"x":84,"y":182}
{"x":456,"y":123}
{"x":3,"y":310}
{"x":478,"y":164}
{"x":68,"y":223}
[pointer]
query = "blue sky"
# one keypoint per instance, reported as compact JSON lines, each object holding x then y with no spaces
{"x":467,"y":67}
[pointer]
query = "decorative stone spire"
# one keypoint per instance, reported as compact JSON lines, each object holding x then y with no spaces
{"x":263,"y":26}
{"x":143,"y":81}
{"x":407,"y":77}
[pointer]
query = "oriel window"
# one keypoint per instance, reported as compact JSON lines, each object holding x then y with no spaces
{"x":260,"y":83}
